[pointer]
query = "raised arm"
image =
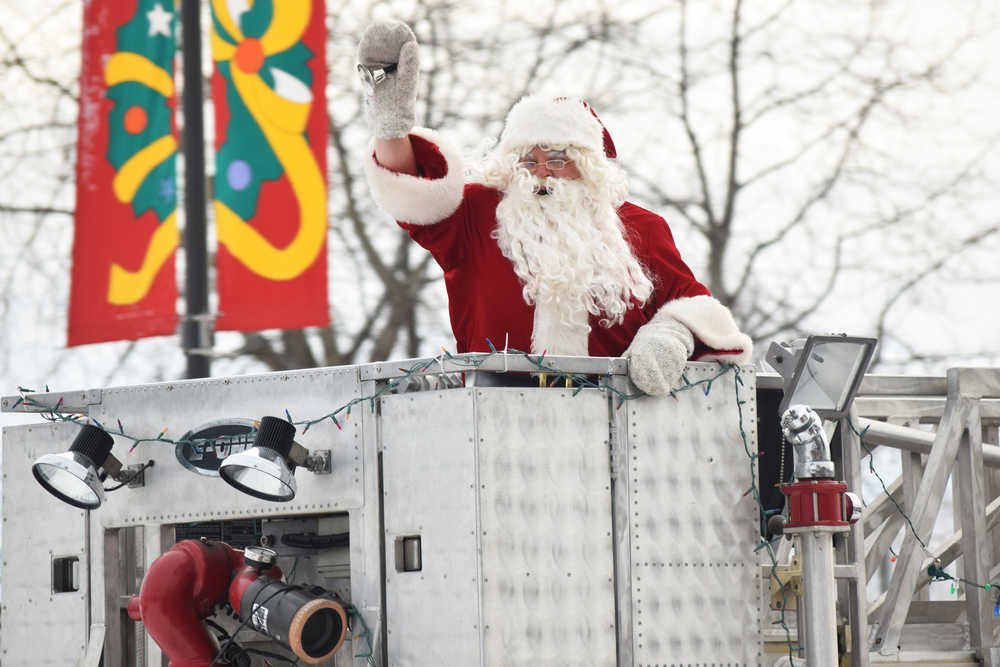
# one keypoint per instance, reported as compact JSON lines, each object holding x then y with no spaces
{"x":396,"y":155}
{"x":390,"y":103}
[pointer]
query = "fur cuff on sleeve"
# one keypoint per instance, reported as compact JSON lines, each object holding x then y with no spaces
{"x":414,"y":199}
{"x":713,"y":325}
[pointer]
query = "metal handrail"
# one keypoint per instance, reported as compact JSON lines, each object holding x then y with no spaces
{"x":960,"y":404}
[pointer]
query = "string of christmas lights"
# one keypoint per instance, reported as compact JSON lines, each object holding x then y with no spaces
{"x":365,"y":633}
{"x":934,"y":570}
{"x":754,"y":491}
{"x":471,"y":361}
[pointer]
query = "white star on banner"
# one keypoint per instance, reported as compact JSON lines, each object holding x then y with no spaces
{"x":159,"y":21}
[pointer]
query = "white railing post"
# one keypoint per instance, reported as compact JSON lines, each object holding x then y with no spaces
{"x":977,"y":549}
{"x":892,"y":614}
{"x":912,"y":469}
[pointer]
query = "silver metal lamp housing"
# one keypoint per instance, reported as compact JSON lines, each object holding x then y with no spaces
{"x":71,"y":477}
{"x":260,"y":472}
{"x":74,"y":476}
{"x":823,"y":372}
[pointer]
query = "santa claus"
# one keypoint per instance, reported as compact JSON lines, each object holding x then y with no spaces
{"x":539,"y":247}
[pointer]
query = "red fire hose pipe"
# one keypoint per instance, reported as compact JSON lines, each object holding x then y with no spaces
{"x":180,"y":590}
{"x":186,"y":584}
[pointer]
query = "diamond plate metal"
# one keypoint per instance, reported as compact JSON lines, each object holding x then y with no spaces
{"x":39,"y":527}
{"x":545,"y":504}
{"x":695,"y":584}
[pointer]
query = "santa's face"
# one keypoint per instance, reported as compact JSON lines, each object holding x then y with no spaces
{"x":569,"y":250}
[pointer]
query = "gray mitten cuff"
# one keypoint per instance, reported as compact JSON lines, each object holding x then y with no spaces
{"x":658,"y":354}
{"x":391,"y":105}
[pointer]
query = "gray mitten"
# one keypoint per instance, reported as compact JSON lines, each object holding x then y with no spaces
{"x":391,"y":104}
{"x":658,"y":353}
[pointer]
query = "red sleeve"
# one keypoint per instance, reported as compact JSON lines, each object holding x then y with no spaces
{"x":445,"y":240}
{"x":431,"y":163}
{"x":448,"y":240}
{"x":654,"y":246}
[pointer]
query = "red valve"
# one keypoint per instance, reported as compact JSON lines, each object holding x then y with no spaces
{"x":819,"y":502}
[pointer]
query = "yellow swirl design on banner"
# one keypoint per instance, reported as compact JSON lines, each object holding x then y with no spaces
{"x":126,"y":66}
{"x":127,"y":287}
{"x":137,"y":168}
{"x":287,"y":25}
{"x":221,"y":49}
{"x":221,"y":9}
{"x":283,"y":123}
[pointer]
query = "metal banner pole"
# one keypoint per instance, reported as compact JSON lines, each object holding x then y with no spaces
{"x":196,"y":325}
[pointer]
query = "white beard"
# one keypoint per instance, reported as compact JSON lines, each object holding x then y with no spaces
{"x":568,"y":248}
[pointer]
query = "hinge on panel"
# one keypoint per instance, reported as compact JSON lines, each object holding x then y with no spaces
{"x":612,"y":455}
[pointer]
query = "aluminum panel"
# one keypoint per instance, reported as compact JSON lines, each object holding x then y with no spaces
{"x":173,"y":494}
{"x":37,"y":528}
{"x":546,"y":535}
{"x":695,"y":584}
{"x":429,"y":489}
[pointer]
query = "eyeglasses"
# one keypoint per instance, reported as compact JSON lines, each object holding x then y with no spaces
{"x":551,"y":165}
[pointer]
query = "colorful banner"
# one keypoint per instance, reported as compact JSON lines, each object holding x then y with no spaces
{"x":123,"y":283}
{"x":270,"y":182}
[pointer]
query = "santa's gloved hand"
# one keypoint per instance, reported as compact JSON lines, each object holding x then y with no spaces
{"x":658,"y":354}
{"x":390,"y":104}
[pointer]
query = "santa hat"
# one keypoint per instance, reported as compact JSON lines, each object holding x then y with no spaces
{"x":537,"y":120}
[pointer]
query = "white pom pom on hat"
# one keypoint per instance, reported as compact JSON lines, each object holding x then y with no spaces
{"x":538,"y":120}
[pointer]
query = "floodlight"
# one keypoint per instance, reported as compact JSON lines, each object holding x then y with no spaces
{"x":267,"y":470}
{"x":823,"y":372}
{"x":74,"y":476}
{"x":264,"y":470}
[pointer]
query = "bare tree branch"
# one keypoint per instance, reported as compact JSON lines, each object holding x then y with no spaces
{"x":859,"y":119}
{"x":14,"y":59}
{"x":689,"y":131}
{"x":936,"y":265}
{"x":35,"y":210}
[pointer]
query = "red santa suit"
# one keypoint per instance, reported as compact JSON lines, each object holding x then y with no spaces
{"x":454,"y":220}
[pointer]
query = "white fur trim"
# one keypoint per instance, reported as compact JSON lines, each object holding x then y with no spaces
{"x":713,"y":325}
{"x":420,"y":201}
{"x":537,"y":120}
{"x":551,"y":334}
